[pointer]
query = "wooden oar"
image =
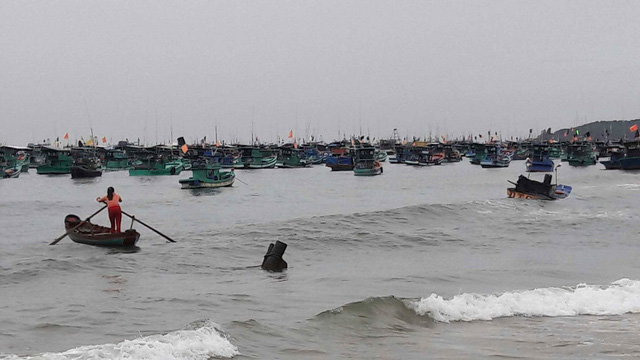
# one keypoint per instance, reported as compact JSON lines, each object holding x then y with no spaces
{"x":77,"y":226}
{"x":150,"y":228}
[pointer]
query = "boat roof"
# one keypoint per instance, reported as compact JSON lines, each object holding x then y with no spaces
{"x":23,"y":148}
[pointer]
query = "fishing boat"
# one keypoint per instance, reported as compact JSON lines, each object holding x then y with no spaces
{"x":366,"y":163}
{"x":117,"y":159}
{"x":10,"y":173}
{"x":57,"y":161}
{"x":381,"y":156}
{"x":156,"y":166}
{"x":539,"y":160}
{"x":81,"y":171}
{"x":496,"y":158}
{"x":86,"y":164}
{"x":254,"y":157}
{"x":208,"y":175}
{"x":341,"y":158}
{"x":479,"y":152}
{"x":13,"y":161}
{"x":631,"y":159}
{"x":581,"y":154}
{"x":451,"y":154}
{"x":526,"y":188}
{"x":423,"y":156}
{"x":401,"y":153}
{"x":291,"y":157}
{"x":615,"y":154}
{"x":91,"y":234}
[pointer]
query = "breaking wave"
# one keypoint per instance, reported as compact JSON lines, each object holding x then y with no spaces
{"x":203,"y":340}
{"x":620,"y":297}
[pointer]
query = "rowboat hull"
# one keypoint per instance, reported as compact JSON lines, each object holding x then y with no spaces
{"x":96,"y":235}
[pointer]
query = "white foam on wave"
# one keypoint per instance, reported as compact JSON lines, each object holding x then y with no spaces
{"x":620,"y":297}
{"x":202,"y":343}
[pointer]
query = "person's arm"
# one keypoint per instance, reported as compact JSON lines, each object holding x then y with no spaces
{"x":101,"y":199}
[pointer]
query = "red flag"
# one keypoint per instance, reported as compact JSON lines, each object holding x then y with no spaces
{"x":184,"y":148}
{"x":295,"y":144}
{"x":104,"y":140}
{"x":633,"y":128}
{"x":66,"y":136}
{"x":290,"y":134}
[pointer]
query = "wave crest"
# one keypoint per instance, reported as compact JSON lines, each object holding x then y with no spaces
{"x":620,"y":297}
{"x":202,"y":342}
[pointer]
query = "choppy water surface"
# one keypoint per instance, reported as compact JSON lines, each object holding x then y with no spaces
{"x":417,"y":263}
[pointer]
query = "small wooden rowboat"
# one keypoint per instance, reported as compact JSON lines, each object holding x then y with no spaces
{"x":97,"y":235}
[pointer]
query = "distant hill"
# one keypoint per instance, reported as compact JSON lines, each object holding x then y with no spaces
{"x":617,"y":129}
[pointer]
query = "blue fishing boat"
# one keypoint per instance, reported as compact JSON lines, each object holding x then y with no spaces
{"x":631,"y":159}
{"x":497,"y":157}
{"x":615,"y":154}
{"x":341,"y":158}
{"x":539,"y":160}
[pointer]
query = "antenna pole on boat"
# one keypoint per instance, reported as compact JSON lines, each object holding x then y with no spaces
{"x":557,"y":166}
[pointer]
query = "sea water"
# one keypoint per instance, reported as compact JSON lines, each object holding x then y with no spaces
{"x":418,"y":263}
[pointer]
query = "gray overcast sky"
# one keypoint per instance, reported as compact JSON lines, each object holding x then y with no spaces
{"x":317,"y":67}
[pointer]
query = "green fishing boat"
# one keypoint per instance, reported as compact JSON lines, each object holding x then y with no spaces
{"x":14,"y":160}
{"x":117,"y":159}
{"x":56,"y":161}
{"x":292,"y":158}
{"x":555,"y":151}
{"x":581,"y":154}
{"x":257,"y":158}
{"x":156,"y":166}
{"x":208,"y":176}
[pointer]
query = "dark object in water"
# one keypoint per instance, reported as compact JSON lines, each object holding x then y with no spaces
{"x":531,"y":189}
{"x":273,"y":259}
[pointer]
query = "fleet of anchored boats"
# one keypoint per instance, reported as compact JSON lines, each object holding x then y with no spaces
{"x":214,"y":166}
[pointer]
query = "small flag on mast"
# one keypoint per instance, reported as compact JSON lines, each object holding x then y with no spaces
{"x":290,"y":134}
{"x":66,"y":136}
{"x":633,"y":127}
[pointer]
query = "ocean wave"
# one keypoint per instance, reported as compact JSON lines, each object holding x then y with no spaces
{"x":620,"y":297}
{"x":202,"y":340}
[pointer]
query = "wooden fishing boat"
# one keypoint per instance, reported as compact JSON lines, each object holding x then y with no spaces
{"x":526,"y":188}
{"x":208,"y":176}
{"x":91,"y":234}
